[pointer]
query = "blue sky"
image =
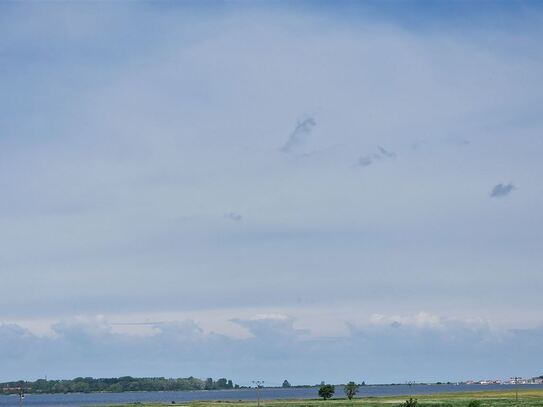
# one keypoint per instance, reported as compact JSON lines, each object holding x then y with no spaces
{"x":311,"y":190}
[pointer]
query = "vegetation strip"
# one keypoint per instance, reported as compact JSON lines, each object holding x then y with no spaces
{"x":116,"y":385}
{"x":526,"y":398}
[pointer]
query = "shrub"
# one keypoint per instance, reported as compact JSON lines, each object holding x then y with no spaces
{"x":409,"y":403}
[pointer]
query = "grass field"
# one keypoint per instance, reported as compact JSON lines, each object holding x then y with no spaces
{"x":526,"y":398}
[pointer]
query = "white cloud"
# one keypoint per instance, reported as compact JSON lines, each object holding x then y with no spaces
{"x":420,"y":320}
{"x":278,"y":317}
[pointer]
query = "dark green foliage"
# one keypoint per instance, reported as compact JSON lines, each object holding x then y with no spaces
{"x":409,"y":403}
{"x":326,"y":391}
{"x":286,"y":383}
{"x":474,"y":403}
{"x":119,"y":384}
{"x":351,"y":389}
{"x":222,"y":383}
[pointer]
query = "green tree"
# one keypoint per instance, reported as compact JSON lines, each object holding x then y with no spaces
{"x":115,"y":388}
{"x":286,"y":383}
{"x":209,"y":384}
{"x":326,"y":391}
{"x":351,"y":389}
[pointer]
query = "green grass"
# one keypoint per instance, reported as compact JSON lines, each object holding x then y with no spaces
{"x":526,"y":398}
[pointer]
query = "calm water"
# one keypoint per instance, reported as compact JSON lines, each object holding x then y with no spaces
{"x":97,"y":399}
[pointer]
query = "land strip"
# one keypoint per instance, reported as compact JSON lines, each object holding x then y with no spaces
{"x":509,"y":398}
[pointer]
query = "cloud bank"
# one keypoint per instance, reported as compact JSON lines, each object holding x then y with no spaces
{"x":378,"y":352}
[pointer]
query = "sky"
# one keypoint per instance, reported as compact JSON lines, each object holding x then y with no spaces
{"x":271,"y":190}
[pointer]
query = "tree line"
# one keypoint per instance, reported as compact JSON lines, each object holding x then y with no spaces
{"x":116,"y":385}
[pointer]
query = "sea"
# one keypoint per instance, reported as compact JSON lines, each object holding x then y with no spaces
{"x":180,"y":397}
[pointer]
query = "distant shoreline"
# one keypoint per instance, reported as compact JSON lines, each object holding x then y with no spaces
{"x":247,"y":389}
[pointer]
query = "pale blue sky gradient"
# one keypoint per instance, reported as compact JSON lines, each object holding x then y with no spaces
{"x":276,"y":187}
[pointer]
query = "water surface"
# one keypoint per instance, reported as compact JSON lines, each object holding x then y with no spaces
{"x":97,"y":399}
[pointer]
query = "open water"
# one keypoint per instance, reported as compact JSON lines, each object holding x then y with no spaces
{"x":180,"y":397}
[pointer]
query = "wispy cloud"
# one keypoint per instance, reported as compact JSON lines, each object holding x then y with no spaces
{"x":236,"y":217}
{"x":302,"y":129}
{"x":381,"y":154}
{"x":386,"y":153}
{"x":367,"y":160}
{"x":501,"y":190}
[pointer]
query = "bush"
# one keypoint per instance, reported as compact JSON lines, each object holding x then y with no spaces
{"x":409,"y":403}
{"x":474,"y":403}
